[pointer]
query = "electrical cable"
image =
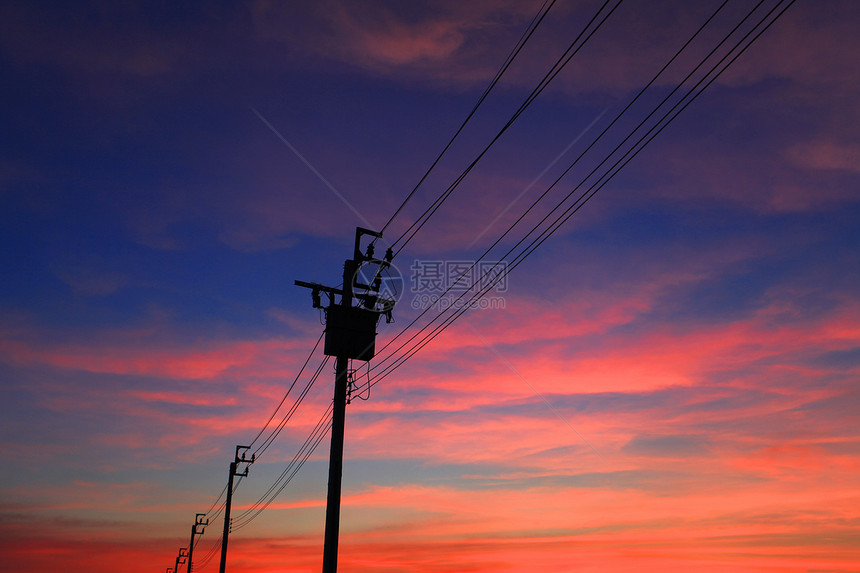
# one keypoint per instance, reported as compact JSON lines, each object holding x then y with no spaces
{"x":209,"y":513}
{"x":276,"y":432}
{"x":550,"y":75}
{"x":397,"y":357}
{"x":276,"y":481}
{"x":281,"y":403}
{"x":315,"y":438}
{"x":526,"y":35}
{"x":642,"y":142}
{"x":214,"y":503}
{"x":210,"y":553}
{"x":310,"y":444}
{"x":593,"y":191}
{"x":529,"y":209}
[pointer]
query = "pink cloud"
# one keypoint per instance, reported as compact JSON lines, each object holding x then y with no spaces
{"x":438,"y":41}
{"x":136,"y":352}
{"x":750,"y":176}
{"x":590,"y":306}
{"x":826,"y":156}
{"x":459,"y":43}
{"x":392,"y":42}
{"x":765,"y":347}
{"x":140,"y":390}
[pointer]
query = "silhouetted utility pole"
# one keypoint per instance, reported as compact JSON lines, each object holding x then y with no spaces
{"x":350,"y":334}
{"x":234,"y":465}
{"x":196,"y":529}
{"x":179,"y":558}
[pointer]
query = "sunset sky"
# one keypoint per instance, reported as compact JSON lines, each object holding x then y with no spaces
{"x":668,"y":383}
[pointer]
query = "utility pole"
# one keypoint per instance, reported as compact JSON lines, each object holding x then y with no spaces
{"x":198,"y":523}
{"x":234,"y":465}
{"x":350,"y":334}
{"x":179,"y":558}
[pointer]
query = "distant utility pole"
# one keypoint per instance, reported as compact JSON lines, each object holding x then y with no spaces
{"x":196,"y":529}
{"x":234,"y":465}
{"x":350,"y":334}
{"x":179,"y":558}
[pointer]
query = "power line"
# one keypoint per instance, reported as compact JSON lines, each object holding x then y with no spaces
{"x":298,"y":401}
{"x":215,"y":503}
{"x":399,"y":356}
{"x":305,"y":451}
{"x":210,"y":553}
{"x":315,"y":436}
{"x":527,"y":33}
{"x":281,"y":403}
{"x":543,"y":237}
{"x":276,"y":432}
{"x":529,"y":209}
{"x":644,"y":140}
{"x":212,"y":515}
{"x":549,"y":76}
{"x":209,"y":512}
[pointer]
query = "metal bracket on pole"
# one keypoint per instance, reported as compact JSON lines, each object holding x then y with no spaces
{"x":234,"y":465}
{"x":196,"y":529}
